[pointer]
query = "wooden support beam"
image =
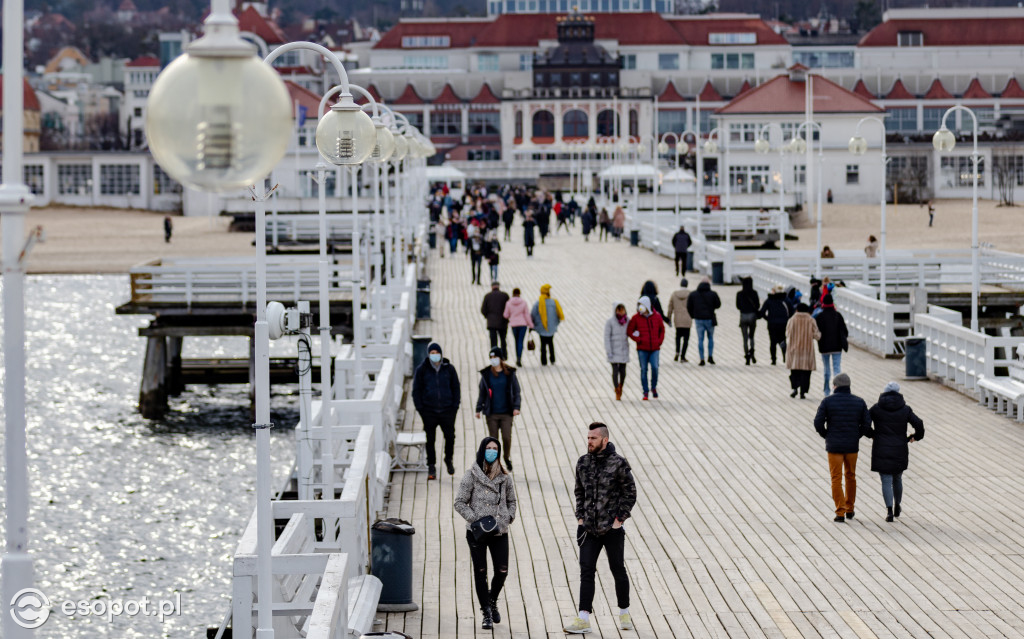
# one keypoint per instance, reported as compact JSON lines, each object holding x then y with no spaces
{"x":175,"y":383}
{"x":153,"y":389}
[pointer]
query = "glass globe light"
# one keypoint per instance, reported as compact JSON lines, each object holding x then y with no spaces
{"x":762,"y":146}
{"x":641,"y":149}
{"x":797,"y":145}
{"x":401,"y":148}
{"x":345,"y":135}
{"x":858,"y":145}
{"x":385,"y":147}
{"x":415,"y":150}
{"x":710,"y":147}
{"x":218,"y":118}
{"x":663,"y":148}
{"x":944,"y":140}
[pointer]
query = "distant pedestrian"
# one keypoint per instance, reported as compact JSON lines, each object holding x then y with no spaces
{"x":801,"y":333}
{"x":588,"y":222}
{"x":528,"y":235}
{"x":842,"y":419}
{"x":701,"y":305}
{"x":931,"y":212}
{"x":650,"y":289}
{"x":168,"y":229}
{"x":680,"y":318}
{"x":476,"y":251}
{"x":604,"y":223}
{"x":436,"y":394}
{"x":681,"y":244}
{"x":487,"y":491}
{"x":492,"y":251}
{"x":517,"y":312}
{"x":828,"y":196}
{"x":616,"y":346}
{"x":618,"y":222}
{"x":453,"y":233}
{"x":546,"y":315}
{"x":890,"y":453}
{"x":826,"y":252}
{"x":499,"y":399}
{"x":508,"y":217}
{"x":871,"y":250}
{"x":493,"y":308}
{"x":775,"y":312}
{"x":647,"y":329}
{"x":605,"y":495}
{"x":748,"y":304}
{"x":833,"y":339}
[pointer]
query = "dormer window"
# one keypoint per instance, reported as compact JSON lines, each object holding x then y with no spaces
{"x":910,"y":39}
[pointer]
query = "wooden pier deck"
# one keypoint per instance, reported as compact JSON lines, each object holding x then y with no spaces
{"x":732,"y":534}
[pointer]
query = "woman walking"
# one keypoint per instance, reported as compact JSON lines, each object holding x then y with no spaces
{"x":890,"y":453}
{"x":517,"y":312}
{"x":603,"y":222}
{"x":616,"y":346}
{"x":650,"y":290}
{"x":546,"y":315}
{"x":618,"y":222}
{"x":508,"y":217}
{"x":499,"y":400}
{"x":801,"y":333}
{"x":528,"y":226}
{"x":453,"y":233}
{"x":775,"y":312}
{"x":487,"y":491}
{"x":748,"y":304}
{"x":833,"y":339}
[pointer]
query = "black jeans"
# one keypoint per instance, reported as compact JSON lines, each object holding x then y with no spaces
{"x":680,"y":263}
{"x":498,"y":336}
{"x":547,"y":344}
{"x":748,"y":324}
{"x":614,"y":543}
{"x":777,"y":335}
{"x":684,"y":334}
{"x":477,"y":260}
{"x":618,"y":374}
{"x":498,"y":547}
{"x":446,"y":420}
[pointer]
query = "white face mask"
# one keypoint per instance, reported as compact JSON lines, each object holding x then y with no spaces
{"x":495,"y":362}
{"x":640,"y":309}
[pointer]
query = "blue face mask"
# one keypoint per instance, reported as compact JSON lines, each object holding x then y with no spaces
{"x":490,"y":455}
{"x":435,"y":357}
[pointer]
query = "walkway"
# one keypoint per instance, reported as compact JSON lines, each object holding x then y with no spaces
{"x":732,"y":535}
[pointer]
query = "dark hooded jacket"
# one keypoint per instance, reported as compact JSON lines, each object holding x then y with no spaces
{"x":605,"y":490}
{"x":890,"y":418}
{"x":833,"y":330}
{"x":493,"y":308}
{"x":435,"y":390}
{"x":651,"y":291}
{"x":842,"y":419}
{"x":512,"y":393}
{"x":681,"y":241}
{"x":775,"y":310}
{"x":701,"y":304}
{"x":747,"y":300}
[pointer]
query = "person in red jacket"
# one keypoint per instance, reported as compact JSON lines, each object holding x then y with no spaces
{"x":647,"y":329}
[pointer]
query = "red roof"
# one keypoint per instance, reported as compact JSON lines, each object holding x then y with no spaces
{"x":671,"y":94}
{"x":861,"y":89}
{"x":447,"y":96}
{"x":144,"y":61}
{"x":409,"y":96}
{"x":251,"y":21}
{"x":304,"y":97}
{"x":697,"y":31}
{"x":937,"y":92}
{"x":485,"y":96}
{"x":783,"y":95}
{"x":950,"y":32}
{"x":372,"y":90}
{"x":743,"y":88}
{"x":28,"y":96}
{"x":898,"y":92}
{"x":975,"y":91}
{"x":709,"y":94}
{"x":1012,"y":90}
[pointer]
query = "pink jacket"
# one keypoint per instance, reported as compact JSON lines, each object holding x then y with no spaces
{"x":517,"y":312}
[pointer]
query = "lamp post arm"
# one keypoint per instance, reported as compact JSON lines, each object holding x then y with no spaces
{"x":328,"y":55}
{"x":352,"y":87}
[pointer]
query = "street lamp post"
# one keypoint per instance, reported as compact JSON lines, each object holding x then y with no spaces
{"x":711,"y":148}
{"x":944,"y":141}
{"x":859,"y":146}
{"x":798,"y":145}
{"x":763,"y":146}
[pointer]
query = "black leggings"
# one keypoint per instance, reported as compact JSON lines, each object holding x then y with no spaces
{"x":498,"y":546}
{"x":680,"y":263}
{"x":618,"y":374}
{"x":777,"y":336}
{"x":547,"y":344}
{"x":682,"y":333}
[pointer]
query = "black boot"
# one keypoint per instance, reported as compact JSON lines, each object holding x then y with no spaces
{"x":486,"y":623}
{"x":896,"y":510}
{"x":495,"y":615}
{"x":888,"y":517}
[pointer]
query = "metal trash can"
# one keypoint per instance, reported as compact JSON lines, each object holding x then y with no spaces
{"x":634,"y":237}
{"x":689,"y":261}
{"x":432,"y":236}
{"x":422,"y":299}
{"x":717,"y":273}
{"x":419,"y":348}
{"x":915,"y":358}
{"x":391,"y":562}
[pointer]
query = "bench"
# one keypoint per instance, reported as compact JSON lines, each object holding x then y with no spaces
{"x":417,"y":441}
{"x":1005,"y":395}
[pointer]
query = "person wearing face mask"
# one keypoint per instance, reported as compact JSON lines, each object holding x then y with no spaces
{"x":616,"y":346}
{"x":486,"y":490}
{"x":647,"y":329}
{"x":436,"y":394}
{"x":499,"y":400}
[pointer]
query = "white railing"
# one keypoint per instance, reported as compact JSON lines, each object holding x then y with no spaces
{"x":305,"y":227}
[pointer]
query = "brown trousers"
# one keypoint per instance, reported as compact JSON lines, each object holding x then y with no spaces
{"x":502,"y":423}
{"x":838,"y":465}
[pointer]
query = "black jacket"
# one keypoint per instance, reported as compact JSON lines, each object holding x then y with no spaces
{"x":483,"y":400}
{"x":651,"y":291}
{"x":605,"y":490}
{"x":890,"y":418}
{"x":681,"y":241}
{"x":833,"y":331}
{"x":842,"y":419}
{"x":436,"y":391}
{"x":701,"y":304}
{"x":493,"y":308}
{"x":747,"y":300}
{"x":775,"y":310}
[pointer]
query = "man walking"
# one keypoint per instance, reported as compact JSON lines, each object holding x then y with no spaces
{"x":647,"y":329}
{"x":681,"y":243}
{"x":168,"y":229}
{"x":842,"y":419}
{"x":436,"y":394}
{"x":605,"y":495}
{"x":701,"y":305}
{"x":493,"y":308}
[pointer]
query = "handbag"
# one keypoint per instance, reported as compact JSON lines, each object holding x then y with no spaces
{"x":484,"y":527}
{"x":530,"y":344}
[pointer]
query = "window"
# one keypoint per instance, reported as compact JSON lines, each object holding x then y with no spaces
{"x":799,"y":174}
{"x":957,"y":171}
{"x":74,"y":179}
{"x":574,"y":124}
{"x":487,"y":61}
{"x":425,"y":62}
{"x":606,"y":123}
{"x":732,"y":38}
{"x":519,"y":125}
{"x":629,"y":61}
{"x":933,"y":118}
{"x":483,"y":155}
{"x":748,"y":179}
{"x":415,"y":118}
{"x":425,"y":42}
{"x":743,"y":132}
{"x":484,"y":123}
{"x":732,"y":60}
{"x":901,"y":120}
{"x":163,"y":183}
{"x":853,"y":174}
{"x":137,"y":112}
{"x":634,"y":123}
{"x":525,"y":61}
{"x":543,"y":124}
{"x":574,"y":79}
{"x":705,"y":121}
{"x":33,"y":174}
{"x":668,"y":61}
{"x":909,"y":39}
{"x":717,"y":60}
{"x":671,"y":121}
{"x":119,"y":179}
{"x":446,"y":123}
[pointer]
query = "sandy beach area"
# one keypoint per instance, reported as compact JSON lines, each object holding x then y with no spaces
{"x":87,"y":240}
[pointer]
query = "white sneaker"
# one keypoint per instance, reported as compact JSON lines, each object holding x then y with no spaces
{"x":625,"y":621}
{"x":578,"y":627}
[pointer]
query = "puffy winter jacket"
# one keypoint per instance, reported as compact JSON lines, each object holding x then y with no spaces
{"x":890,"y":418}
{"x":517,"y":312}
{"x":842,"y":419}
{"x":435,"y":391}
{"x":775,"y":310}
{"x":605,"y":490}
{"x":512,"y":393}
{"x":616,"y":340}
{"x":833,"y":331}
{"x":651,"y":329}
{"x":701,"y":304}
{"x":493,"y":308}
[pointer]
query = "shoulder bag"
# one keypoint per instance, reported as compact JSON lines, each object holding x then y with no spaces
{"x":484,"y":527}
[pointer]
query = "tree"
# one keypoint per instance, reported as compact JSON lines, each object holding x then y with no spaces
{"x":1007,"y":169}
{"x":866,"y":15}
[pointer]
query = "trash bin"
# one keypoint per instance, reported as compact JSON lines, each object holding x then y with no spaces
{"x":689,"y":261}
{"x":419,"y":348}
{"x":717,"y":273}
{"x":432,"y":237}
{"x":915,"y":358}
{"x":634,"y":237}
{"x":391,"y":562}
{"x":422,"y":299}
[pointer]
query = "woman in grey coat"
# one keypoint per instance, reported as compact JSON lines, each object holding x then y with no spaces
{"x":616,"y":346}
{"x":487,"y":489}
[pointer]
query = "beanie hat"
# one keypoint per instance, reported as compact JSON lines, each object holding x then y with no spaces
{"x":842,"y":379}
{"x":684,"y":283}
{"x":434,"y":346}
{"x":497,"y":352}
{"x":892,"y":387}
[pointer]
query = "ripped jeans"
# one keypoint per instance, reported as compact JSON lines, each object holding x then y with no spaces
{"x":498,"y":546}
